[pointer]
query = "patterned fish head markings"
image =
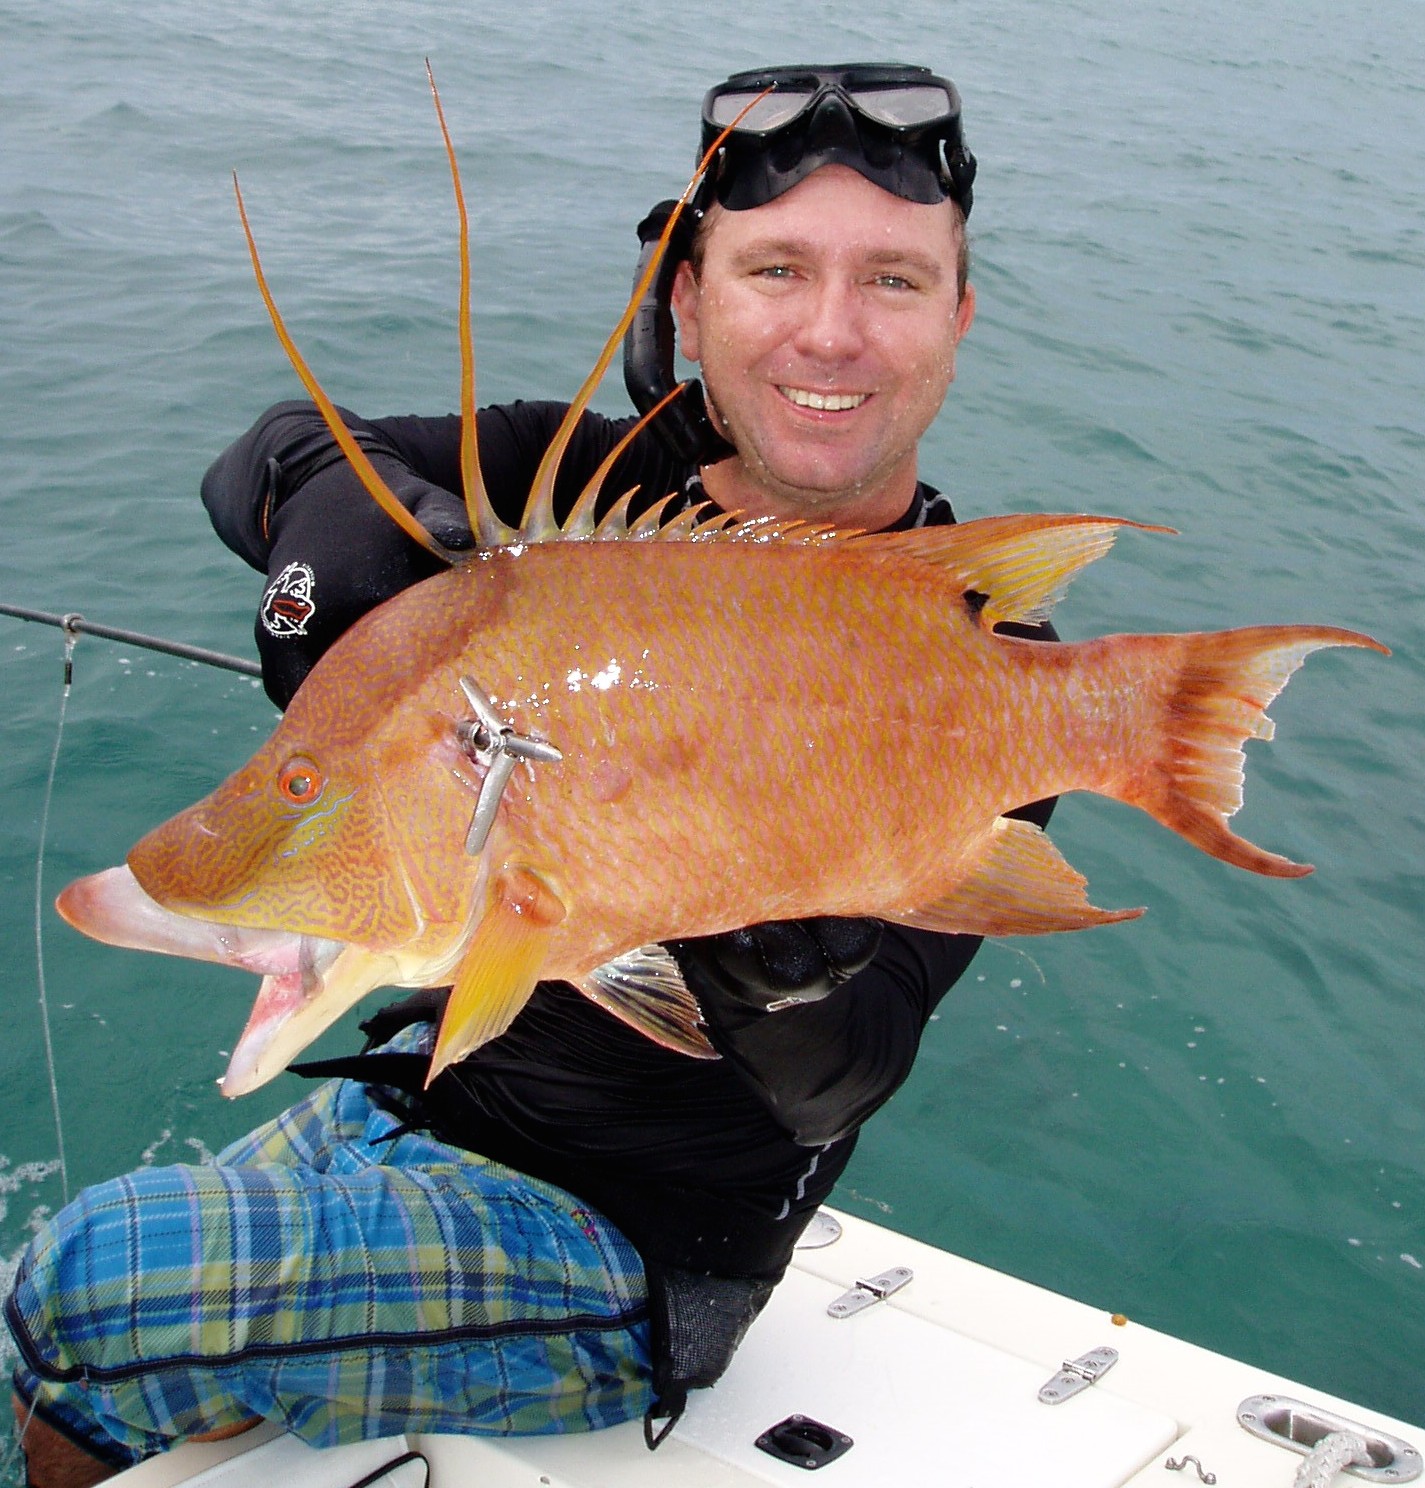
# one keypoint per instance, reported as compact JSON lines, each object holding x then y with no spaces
{"x":338,"y":826}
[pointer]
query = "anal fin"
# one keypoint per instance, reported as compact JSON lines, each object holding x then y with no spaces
{"x":501,"y":964}
{"x":646,"y":990}
{"x":1021,"y":885}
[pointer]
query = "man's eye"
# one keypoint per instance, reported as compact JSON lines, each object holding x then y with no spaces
{"x":893,"y":281}
{"x":775,"y":271}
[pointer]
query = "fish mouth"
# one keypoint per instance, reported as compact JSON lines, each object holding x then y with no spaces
{"x":308,"y":981}
{"x":821,"y":402}
{"x":295,"y":1007}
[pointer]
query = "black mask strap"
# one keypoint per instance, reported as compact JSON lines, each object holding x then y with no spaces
{"x":684,"y":426}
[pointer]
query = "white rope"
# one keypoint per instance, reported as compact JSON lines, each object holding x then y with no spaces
{"x":1327,"y":1459}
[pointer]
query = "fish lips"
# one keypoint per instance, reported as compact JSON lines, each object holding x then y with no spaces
{"x":114,"y":907}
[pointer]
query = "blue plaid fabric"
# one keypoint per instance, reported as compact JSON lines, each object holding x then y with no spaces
{"x":336,"y":1278}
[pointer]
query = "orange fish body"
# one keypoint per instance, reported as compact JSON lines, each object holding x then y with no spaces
{"x":749,"y":730}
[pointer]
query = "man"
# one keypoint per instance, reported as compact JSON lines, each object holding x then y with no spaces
{"x":573,"y":1226}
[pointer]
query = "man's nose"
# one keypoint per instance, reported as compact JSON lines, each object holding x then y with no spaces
{"x":831,"y":329}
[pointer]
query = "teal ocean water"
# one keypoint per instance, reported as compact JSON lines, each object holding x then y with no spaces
{"x":1199,"y":245}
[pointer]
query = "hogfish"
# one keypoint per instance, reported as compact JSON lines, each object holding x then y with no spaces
{"x":589,"y":738}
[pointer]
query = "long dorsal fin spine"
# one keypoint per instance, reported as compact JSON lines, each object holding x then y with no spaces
{"x":380,"y":492}
{"x":539,"y":509}
{"x":538,"y":522}
{"x":489,"y":530}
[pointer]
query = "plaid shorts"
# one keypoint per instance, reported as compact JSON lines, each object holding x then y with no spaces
{"x":329,"y":1276}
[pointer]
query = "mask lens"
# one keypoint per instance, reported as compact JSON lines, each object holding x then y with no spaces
{"x":772,"y":112}
{"x":902,"y":108}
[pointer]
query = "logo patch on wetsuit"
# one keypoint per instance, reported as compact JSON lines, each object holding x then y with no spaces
{"x":288,"y":605}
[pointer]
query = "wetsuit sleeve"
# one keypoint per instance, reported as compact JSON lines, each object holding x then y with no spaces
{"x":284,"y":498}
{"x":290,"y":445}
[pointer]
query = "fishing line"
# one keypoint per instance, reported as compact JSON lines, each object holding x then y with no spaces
{"x":70,"y":637}
{"x":18,"y":1445}
{"x":73,"y":625}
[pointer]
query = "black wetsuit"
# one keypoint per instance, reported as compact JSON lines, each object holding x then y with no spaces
{"x":707,"y":1166}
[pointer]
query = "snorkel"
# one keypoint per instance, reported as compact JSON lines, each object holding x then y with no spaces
{"x":898,"y":126}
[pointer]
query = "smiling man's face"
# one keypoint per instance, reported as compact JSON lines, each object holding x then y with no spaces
{"x":826,"y":324}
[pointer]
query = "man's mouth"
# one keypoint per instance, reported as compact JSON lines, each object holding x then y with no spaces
{"x":822,"y":402}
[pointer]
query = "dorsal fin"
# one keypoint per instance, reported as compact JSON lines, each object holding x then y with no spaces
{"x":580,"y":521}
{"x":538,"y":523}
{"x":651,"y":522}
{"x":785,"y":530}
{"x":1017,"y":566}
{"x":489,"y":530}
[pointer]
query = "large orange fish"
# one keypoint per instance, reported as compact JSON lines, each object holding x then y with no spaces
{"x":583,"y":741}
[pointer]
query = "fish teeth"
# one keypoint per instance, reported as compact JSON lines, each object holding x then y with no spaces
{"x":830,"y":402}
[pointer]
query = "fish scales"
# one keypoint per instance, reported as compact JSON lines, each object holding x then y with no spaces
{"x":708,"y":702}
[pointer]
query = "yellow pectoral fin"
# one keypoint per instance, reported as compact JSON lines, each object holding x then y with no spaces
{"x":501,"y":964}
{"x":1019,"y":885}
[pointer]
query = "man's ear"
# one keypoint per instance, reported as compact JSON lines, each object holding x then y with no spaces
{"x":686,"y":296}
{"x":965,"y":312}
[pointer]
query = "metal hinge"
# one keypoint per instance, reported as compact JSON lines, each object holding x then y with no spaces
{"x":1078,"y":1374}
{"x":866,"y":1293}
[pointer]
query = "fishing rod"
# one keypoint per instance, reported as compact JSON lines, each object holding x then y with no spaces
{"x":73,"y":625}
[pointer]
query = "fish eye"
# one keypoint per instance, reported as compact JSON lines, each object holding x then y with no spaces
{"x":300,"y":782}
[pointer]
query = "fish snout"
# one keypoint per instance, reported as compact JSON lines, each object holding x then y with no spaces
{"x":87,"y":903}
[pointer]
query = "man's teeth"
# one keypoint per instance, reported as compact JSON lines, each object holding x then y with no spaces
{"x":831,"y":402}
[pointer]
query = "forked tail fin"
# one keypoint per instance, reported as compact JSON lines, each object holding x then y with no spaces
{"x":1226,"y":681}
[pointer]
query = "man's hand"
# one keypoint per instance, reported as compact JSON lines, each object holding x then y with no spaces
{"x":776,"y":965}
